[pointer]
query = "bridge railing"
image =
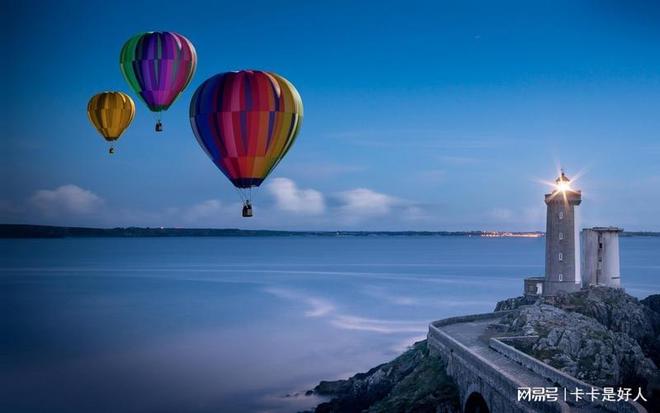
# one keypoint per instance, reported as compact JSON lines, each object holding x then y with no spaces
{"x":505,"y":385}
{"x":557,"y":376}
{"x":468,"y":318}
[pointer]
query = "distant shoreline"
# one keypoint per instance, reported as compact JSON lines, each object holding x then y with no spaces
{"x":46,"y":231}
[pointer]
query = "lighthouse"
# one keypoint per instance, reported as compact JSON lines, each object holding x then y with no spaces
{"x":561,"y":254}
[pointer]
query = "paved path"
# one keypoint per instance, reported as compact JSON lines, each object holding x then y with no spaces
{"x":475,"y":336}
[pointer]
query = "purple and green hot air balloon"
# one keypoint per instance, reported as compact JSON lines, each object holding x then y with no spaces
{"x":158,"y":66}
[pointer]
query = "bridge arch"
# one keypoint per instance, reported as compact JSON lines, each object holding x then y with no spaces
{"x":476,"y":403}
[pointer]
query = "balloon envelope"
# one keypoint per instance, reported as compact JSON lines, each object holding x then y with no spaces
{"x":246,"y":122}
{"x":111,"y":113}
{"x":158,"y":66}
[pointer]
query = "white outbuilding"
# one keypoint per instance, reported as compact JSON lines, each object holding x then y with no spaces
{"x":600,"y":257}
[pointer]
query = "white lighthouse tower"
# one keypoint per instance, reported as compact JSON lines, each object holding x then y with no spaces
{"x":561,"y":250}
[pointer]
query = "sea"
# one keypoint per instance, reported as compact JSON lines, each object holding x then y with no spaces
{"x":240,"y":324}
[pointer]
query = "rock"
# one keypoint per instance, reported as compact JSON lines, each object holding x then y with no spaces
{"x":412,"y":383}
{"x":600,"y":335}
{"x":584,"y":347}
{"x":619,"y":312}
{"x":652,"y":302}
{"x":513,"y":303}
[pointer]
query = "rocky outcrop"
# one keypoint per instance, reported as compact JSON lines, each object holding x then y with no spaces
{"x":652,"y":302}
{"x":599,"y":335}
{"x":651,"y":343}
{"x":515,"y":302}
{"x":619,"y":312}
{"x":582,"y":347}
{"x":411,"y":383}
{"x":612,"y":308}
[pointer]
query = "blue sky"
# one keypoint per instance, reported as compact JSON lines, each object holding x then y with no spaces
{"x":418,"y":115}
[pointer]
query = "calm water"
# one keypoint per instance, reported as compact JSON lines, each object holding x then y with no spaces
{"x":236,"y":324}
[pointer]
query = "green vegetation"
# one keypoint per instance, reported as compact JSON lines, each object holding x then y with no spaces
{"x":414,"y":382}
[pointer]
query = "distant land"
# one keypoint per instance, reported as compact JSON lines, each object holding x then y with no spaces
{"x":46,"y":231}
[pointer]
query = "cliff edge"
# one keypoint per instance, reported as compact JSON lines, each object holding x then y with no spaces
{"x":600,"y":335}
{"x":413,"y":383}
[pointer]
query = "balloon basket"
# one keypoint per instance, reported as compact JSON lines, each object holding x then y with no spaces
{"x":247,"y":211}
{"x":159,"y":126}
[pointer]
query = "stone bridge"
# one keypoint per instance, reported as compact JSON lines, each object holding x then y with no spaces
{"x":489,"y":372}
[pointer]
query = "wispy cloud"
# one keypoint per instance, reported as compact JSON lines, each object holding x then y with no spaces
{"x":365,"y":202}
{"x":66,"y":199}
{"x":204,"y":211}
{"x":288,"y":206}
{"x":288,"y":197}
{"x":285,"y":206}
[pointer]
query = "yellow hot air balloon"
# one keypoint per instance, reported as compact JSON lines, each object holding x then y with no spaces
{"x":111,"y":113}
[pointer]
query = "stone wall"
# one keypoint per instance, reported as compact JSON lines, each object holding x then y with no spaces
{"x":476,"y":374}
{"x":473,"y":373}
{"x":556,"y":376}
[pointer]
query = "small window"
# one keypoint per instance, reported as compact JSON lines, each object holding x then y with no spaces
{"x":561,"y":214}
{"x":561,"y":277}
{"x":561,"y":256}
{"x":600,"y":245}
{"x":561,"y":236}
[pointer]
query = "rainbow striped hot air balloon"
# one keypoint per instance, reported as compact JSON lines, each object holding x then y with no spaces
{"x":158,"y":66}
{"x":246,"y":122}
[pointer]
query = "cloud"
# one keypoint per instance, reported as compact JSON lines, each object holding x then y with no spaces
{"x":288,"y":206}
{"x":415,"y":213}
{"x":203,"y":211}
{"x":67,"y":199}
{"x":288,"y":197}
{"x":365,"y":202}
